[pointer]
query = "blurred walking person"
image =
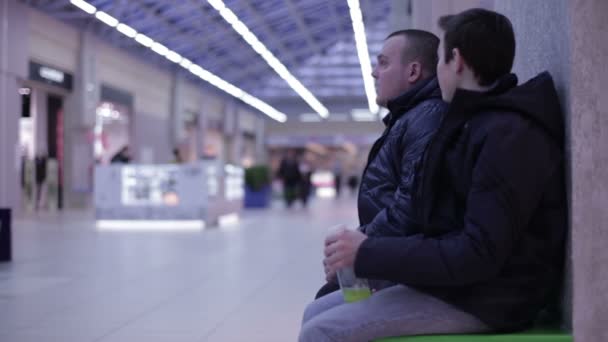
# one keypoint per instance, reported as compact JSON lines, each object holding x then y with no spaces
{"x":289,"y":173}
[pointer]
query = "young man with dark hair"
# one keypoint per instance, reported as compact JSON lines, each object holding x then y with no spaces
{"x":490,"y":198}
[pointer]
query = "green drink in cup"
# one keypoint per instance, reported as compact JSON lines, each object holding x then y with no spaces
{"x":353,"y":289}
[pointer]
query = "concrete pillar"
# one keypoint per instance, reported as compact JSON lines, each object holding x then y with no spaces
{"x":87,"y":89}
{"x":177,"y":133}
{"x":13,"y":67}
{"x":425,"y":13}
{"x":203,"y":124}
{"x":421,"y":14}
{"x":230,"y":110}
{"x":237,"y":140}
{"x":400,"y":17}
{"x":40,"y":114}
{"x":79,"y":125}
{"x":589,"y":140}
{"x":542,"y":34}
{"x":260,"y":141}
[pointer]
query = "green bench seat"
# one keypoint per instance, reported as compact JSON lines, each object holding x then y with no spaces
{"x":526,"y":336}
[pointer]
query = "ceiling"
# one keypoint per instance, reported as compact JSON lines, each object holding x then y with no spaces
{"x":312,"y":38}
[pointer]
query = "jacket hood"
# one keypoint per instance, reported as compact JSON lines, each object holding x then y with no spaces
{"x":536,"y":99}
{"x":424,"y":90}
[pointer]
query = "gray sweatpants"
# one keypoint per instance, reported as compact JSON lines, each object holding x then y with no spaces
{"x":394,"y":311}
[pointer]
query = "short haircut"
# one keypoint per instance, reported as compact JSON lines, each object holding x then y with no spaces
{"x":421,"y":46}
{"x":485,"y":40}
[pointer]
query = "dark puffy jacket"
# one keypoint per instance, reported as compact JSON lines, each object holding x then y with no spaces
{"x":494,"y":207}
{"x":385,"y":194}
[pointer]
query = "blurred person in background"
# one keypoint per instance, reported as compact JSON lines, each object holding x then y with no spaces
{"x":289,"y":173}
{"x":122,"y":156}
{"x":177,"y":157}
{"x":306,"y":170}
{"x":337,"y":171}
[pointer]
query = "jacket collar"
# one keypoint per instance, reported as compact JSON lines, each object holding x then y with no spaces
{"x":467,"y":100}
{"x":423,"y":90}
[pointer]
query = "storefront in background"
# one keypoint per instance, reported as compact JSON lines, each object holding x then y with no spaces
{"x":113,"y":125}
{"x":41,"y":135}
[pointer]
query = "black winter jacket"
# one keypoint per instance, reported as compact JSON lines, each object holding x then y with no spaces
{"x":385,"y":194}
{"x":493,"y":202}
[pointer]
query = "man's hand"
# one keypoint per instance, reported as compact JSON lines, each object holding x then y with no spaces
{"x":340,"y":251}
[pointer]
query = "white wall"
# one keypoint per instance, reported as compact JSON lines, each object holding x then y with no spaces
{"x":191,"y":98}
{"x":150,"y":86}
{"x":52,"y":42}
{"x":246,"y":120}
{"x":425,"y":13}
{"x":213,"y":106}
{"x":13,"y":66}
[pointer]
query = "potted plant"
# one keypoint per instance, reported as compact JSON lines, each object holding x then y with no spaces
{"x":257,"y":186}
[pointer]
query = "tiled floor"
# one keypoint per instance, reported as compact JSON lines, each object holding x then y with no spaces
{"x":248,"y":282}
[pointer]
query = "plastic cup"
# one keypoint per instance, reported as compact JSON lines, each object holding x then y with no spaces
{"x":353,"y":289}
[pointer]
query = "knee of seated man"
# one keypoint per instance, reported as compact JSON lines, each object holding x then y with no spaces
{"x":313,"y":309}
{"x":321,"y":305}
{"x":315,"y":330}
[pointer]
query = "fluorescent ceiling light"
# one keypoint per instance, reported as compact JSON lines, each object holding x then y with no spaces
{"x":310,"y":117}
{"x":83,"y":5}
{"x":274,"y":63}
{"x":126,"y":30}
{"x":159,"y":48}
{"x":264,"y":107}
{"x":106,"y":18}
{"x":363,"y":115}
{"x":237,"y":92}
{"x":361,"y":42}
{"x":202,"y":73}
{"x":173,"y":56}
{"x":196,"y":70}
{"x":186,"y":63}
{"x":144,"y":40}
{"x":364,"y":118}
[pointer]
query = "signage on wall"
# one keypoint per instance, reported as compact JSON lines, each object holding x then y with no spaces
{"x":50,"y":75}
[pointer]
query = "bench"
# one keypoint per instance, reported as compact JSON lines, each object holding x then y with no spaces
{"x":525,"y":336}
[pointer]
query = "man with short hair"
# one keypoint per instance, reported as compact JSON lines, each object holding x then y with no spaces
{"x":490,"y":199}
{"x":407,"y":86}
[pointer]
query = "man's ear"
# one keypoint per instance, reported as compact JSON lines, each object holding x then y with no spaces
{"x":414,"y":72}
{"x":457,"y":62}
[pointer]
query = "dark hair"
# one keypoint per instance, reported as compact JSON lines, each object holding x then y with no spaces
{"x":485,"y":40}
{"x":422,"y":45}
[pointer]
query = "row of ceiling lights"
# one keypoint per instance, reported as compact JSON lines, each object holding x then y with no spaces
{"x":260,"y":48}
{"x":272,"y":61}
{"x":362,"y":51}
{"x":183,"y":62}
